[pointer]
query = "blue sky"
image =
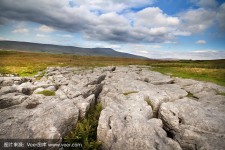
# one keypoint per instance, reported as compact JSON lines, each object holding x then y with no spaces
{"x":191,"y":29}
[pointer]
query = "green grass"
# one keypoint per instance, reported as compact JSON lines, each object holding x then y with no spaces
{"x":216,"y":74}
{"x":213,"y":64}
{"x":128,"y":93}
{"x":204,"y":70}
{"x":47,"y":93}
{"x":191,"y":95}
{"x":85,"y":131}
{"x":221,"y":93}
{"x":28,"y":64}
{"x":40,"y":75}
{"x":210,"y":75}
{"x":149,"y":103}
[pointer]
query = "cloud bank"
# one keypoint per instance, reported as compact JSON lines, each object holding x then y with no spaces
{"x":113,"y":20}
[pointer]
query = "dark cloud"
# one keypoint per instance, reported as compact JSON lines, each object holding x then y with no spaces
{"x":56,"y":14}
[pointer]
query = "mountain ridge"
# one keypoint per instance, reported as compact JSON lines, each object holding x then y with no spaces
{"x":59,"y":49}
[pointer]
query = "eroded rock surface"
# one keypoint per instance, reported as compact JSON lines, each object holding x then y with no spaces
{"x":148,"y":110}
{"x":25,"y":114}
{"x":142,"y":109}
{"x":131,"y":97}
{"x":196,"y":122}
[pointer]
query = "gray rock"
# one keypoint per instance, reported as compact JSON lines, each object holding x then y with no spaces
{"x":11,"y":99}
{"x":194,"y":126}
{"x":97,"y":81}
{"x":7,"y":89}
{"x":25,"y":115}
{"x":61,"y":94}
{"x":9,"y":81}
{"x":27,"y":91}
{"x":155,"y":78}
{"x":198,"y":86}
{"x":109,"y":69}
{"x":38,"y":117}
{"x":51,"y":88}
{"x":84,"y":104}
{"x":127,"y":121}
{"x":128,"y":124}
{"x":38,"y":90}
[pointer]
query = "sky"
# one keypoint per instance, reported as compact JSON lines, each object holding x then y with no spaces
{"x":183,"y":29}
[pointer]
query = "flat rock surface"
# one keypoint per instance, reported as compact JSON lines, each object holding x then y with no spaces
{"x":142,"y":109}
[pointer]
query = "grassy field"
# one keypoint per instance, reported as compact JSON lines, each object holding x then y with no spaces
{"x":28,"y":64}
{"x":205,"y":70}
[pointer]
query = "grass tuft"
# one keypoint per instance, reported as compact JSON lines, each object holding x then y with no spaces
{"x":85,"y":131}
{"x":149,"y":103}
{"x":128,"y":93}
{"x":47,"y":93}
{"x":191,"y":95}
{"x":40,"y":75}
{"x":221,"y":93}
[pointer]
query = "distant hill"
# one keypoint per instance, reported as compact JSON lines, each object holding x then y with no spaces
{"x":48,"y":48}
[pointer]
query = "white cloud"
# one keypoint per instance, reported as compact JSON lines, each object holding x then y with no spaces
{"x":156,"y":46}
{"x":21,"y":30}
{"x":154,"y":17}
{"x":158,"y":31}
{"x":170,"y":42}
{"x":113,"y":18}
{"x":182,"y":33}
{"x":41,"y":35}
{"x":147,"y":50}
{"x":205,"y":51}
{"x":144,"y":52}
{"x":65,"y":35}
{"x":45,"y":28}
{"x":197,"y":21}
{"x":91,"y":44}
{"x":194,"y":55}
{"x":200,"y":42}
{"x":3,"y":39}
